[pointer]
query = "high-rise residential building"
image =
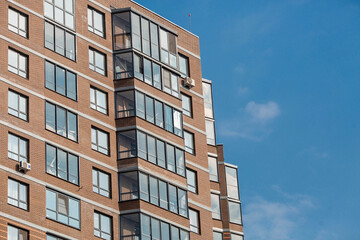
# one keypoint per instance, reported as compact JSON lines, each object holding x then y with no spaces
{"x":107,"y":127}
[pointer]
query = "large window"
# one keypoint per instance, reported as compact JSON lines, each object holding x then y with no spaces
{"x":210,"y":132}
{"x":128,"y":186}
{"x":208,"y":100}
{"x":18,"y":105}
{"x":60,"y":80}
{"x":189,"y":142}
{"x":213,"y":169}
{"x":96,"y":22}
{"x":171,"y":84}
{"x":236,"y":237}
{"x":232,"y":182}
{"x":151,"y":149}
{"x":18,"y":63}
{"x":59,"y":40}
{"x":168,"y":48}
{"x":149,"y":109}
{"x":124,"y":65}
{"x":191,"y":180}
{"x":15,"y":233}
{"x":184,"y":65}
{"x":101,"y":183}
{"x":18,"y":194}
{"x":61,"y":121}
{"x":194,"y":221}
{"x":102,"y":226}
{"x":100,"y":140}
{"x":138,"y":225}
{"x":62,"y":11}
{"x":62,"y":164}
{"x":186,"y":105}
{"x":235,"y":212}
{"x":18,"y":22}
{"x":98,"y":100}
{"x":97,"y":61}
{"x":215,"y":206}
{"x":121,"y":30}
{"x":62,"y":208}
{"x":153,"y":190}
{"x":18,"y":148}
{"x":218,"y":236}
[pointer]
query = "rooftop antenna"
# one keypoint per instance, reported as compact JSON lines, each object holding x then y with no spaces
{"x":189,"y":21}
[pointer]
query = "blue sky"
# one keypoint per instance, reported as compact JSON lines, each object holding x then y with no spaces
{"x":286,"y":78}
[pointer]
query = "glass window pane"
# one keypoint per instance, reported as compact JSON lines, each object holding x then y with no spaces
{"x":159,"y":115}
{"x":50,"y":76}
{"x":215,"y":206}
{"x":59,"y":41}
{"x":61,"y":121}
{"x":156,"y":75}
{"x":71,"y":85}
{"x":49,"y":35}
{"x":170,"y":157}
{"x":213,"y":169}
{"x":234,"y":212}
{"x":141,"y":142}
{"x":151,"y":149}
{"x":125,"y":104}
{"x":168,"y":118}
{"x":50,"y":117}
{"x":163,"y":193}
{"x":160,"y":150}
{"x":173,"y":199}
{"x":60,"y":80}
{"x":149,"y":109}
{"x":165,"y":231}
{"x":154,"y":194}
{"x":140,"y":105}
{"x":128,"y":186}
{"x":144,"y":187}
{"x":180,"y":162}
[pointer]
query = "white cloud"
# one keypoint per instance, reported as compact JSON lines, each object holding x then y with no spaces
{"x":263,"y":112}
{"x":276,"y":220}
{"x":252,"y":122}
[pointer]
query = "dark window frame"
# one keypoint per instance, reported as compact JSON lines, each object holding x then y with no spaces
{"x":64,"y":14}
{"x":195,"y":179}
{"x":97,"y":142}
{"x":94,"y":52}
{"x":19,"y":229}
{"x":17,"y":67}
{"x":19,"y":95}
{"x":99,"y":230}
{"x":27,"y":147}
{"x":186,"y":112}
{"x":92,"y":9}
{"x":17,"y":27}
{"x":98,"y":172}
{"x":27,"y":186}
{"x":198,"y":227}
{"x":193,"y":152}
{"x":96,"y":100}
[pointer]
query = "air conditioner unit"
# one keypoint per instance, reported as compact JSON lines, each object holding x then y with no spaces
{"x":24,"y":166}
{"x":189,"y":82}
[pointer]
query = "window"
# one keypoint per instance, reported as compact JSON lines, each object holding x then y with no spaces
{"x":186,"y":105}
{"x":61,"y":121}
{"x":173,"y":201}
{"x":145,"y":34}
{"x":62,"y":208}
{"x":18,"y":63}
{"x":18,"y":148}
{"x":168,"y":48}
{"x":232,"y":182}
{"x":100,"y":140}
{"x":97,"y":61}
{"x":170,"y":157}
{"x":217,"y":236}
{"x":129,"y":186}
{"x":62,"y":164}
{"x":159,"y":114}
{"x":235,"y":212}
{"x":210,"y":132}
{"x":98,"y":100}
{"x":60,"y":80}
{"x":18,"y":105}
{"x":180,"y":162}
{"x":135,"y":28}
{"x":191,"y":180}
{"x":154,"y":191}
{"x":62,"y":11}
{"x":215,"y":206}
{"x":101,"y":183}
{"x":189,"y":142}
{"x":213,"y":169}
{"x":138,"y":67}
{"x":125,"y":104}
{"x":169,"y":124}
{"x":154,"y":41}
{"x":15,"y":233}
{"x":123,"y":65}
{"x":18,"y":22}
{"x":184,"y":65}
{"x":163,"y":193}
{"x":141,"y":144}
{"x":18,"y":194}
{"x":183,"y":205}
{"x":121,"y":30}
{"x":102,"y":226}
{"x":171,"y":84}
{"x":155,"y":229}
{"x":144,"y":187}
{"x":60,"y":41}
{"x":130,"y":226}
{"x":149,"y":104}
{"x":145,"y":227}
{"x":126,"y":144}
{"x":52,"y":237}
{"x":236,"y":237}
{"x":194,"y":220}
{"x":96,"y":23}
{"x":208,"y":100}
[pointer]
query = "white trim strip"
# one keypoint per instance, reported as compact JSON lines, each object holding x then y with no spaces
{"x":100,"y":5}
{"x":207,"y":80}
{"x":187,"y":51}
{"x":200,"y":205}
{"x":217,"y":229}
{"x":214,"y":191}
{"x":230,"y":165}
{"x":150,"y":133}
{"x":191,"y":91}
{"x":56,"y":62}
{"x":57,"y":103}
{"x":230,"y":199}
{"x":194,"y":128}
{"x":32,"y":225}
{"x":58,"y":189}
{"x":197,"y":166}
{"x":212,"y":154}
{"x":58,"y":145}
{"x":227,"y":230}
